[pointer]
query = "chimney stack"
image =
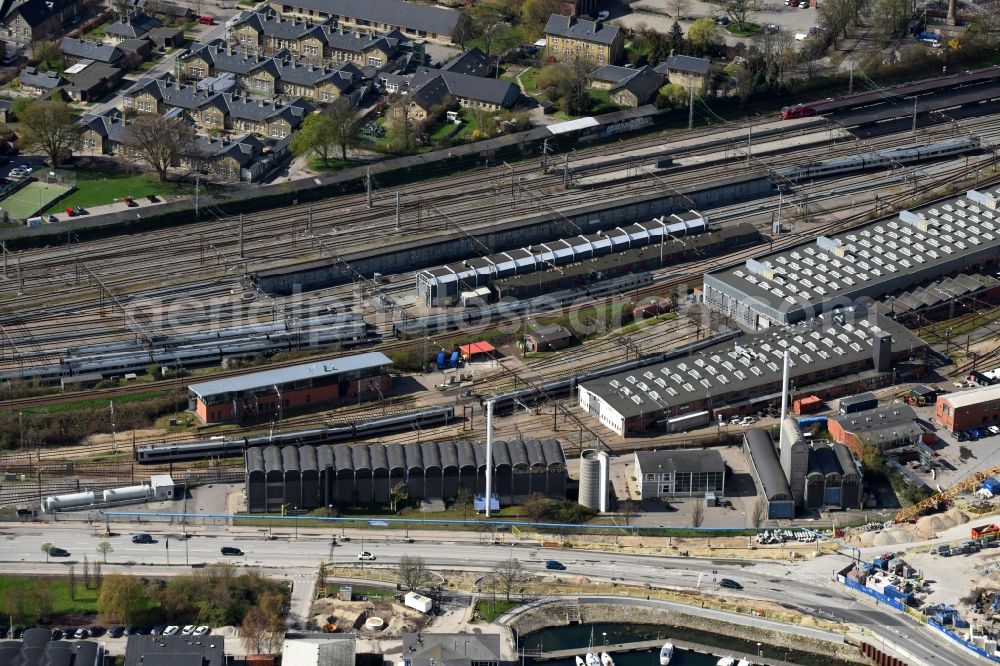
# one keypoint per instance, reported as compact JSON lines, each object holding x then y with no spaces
{"x":784,"y":388}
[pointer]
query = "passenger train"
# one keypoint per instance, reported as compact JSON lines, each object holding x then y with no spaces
{"x":228,"y":447}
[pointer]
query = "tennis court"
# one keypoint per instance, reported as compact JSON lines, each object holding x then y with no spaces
{"x":32,"y":198}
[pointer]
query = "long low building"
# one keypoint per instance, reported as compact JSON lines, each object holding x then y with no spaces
{"x":308,"y":477}
{"x":680,"y":473}
{"x":735,"y":377}
{"x":884,"y":428}
{"x":976,"y":408}
{"x":861,"y":264}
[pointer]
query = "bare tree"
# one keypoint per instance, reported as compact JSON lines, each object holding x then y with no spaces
{"x":759,"y":513}
{"x":46,"y":547}
{"x":86,"y":572}
{"x":50,"y":128}
{"x":507,"y":573}
{"x":739,"y":11}
{"x":413,"y":573}
{"x":98,"y":575}
{"x":104,"y":548}
{"x":679,"y":8}
{"x":256,"y":632}
{"x":72,"y":583}
{"x":698,"y":513}
{"x":159,"y":141}
{"x":628,"y":510}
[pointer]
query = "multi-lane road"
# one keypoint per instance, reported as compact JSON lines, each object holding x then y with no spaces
{"x":808,"y":586}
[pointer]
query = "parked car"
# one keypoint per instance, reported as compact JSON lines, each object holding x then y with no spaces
{"x":230,"y":550}
{"x":96,"y":630}
{"x":994,"y":430}
{"x":68,"y":633}
{"x":130,"y":202}
{"x":3,"y":632}
{"x":157,"y":630}
{"x":50,"y":218}
{"x":79,"y":210}
{"x":961,"y":436}
{"x":748,"y":420}
{"x":730,"y":583}
{"x":116,"y":632}
{"x":58,"y":552}
{"x":171,"y":630}
{"x":81,"y":633}
{"x":555,"y":565}
{"x":56,"y":634}
{"x":187,"y":630}
{"x":142,"y":538}
{"x":17,"y":632}
{"x":201,"y":631}
{"x":975,"y":433}
{"x":70,"y":212}
{"x":365,"y":556}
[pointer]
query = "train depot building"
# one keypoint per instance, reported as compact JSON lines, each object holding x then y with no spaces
{"x":965,"y":410}
{"x":833,"y":355}
{"x":259,"y":397}
{"x":960,"y":235}
{"x":309,"y":477}
{"x":673,"y":473}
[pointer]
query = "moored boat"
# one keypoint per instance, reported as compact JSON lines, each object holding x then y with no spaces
{"x":726,"y":661}
{"x":593,"y":659}
{"x":666,"y":653}
{"x":606,"y":659}
{"x":580,"y":661}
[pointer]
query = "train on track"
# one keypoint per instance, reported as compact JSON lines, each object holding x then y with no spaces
{"x":881,"y":159}
{"x":562,"y":388}
{"x":198,"y":350}
{"x":228,"y":447}
{"x":507,"y":310}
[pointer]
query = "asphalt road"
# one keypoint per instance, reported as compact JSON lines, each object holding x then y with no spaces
{"x":793,"y":586}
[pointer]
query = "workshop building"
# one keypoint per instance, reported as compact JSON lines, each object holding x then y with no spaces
{"x":831,"y":355}
{"x":261,"y":396}
{"x":768,"y":477}
{"x":205,"y":651}
{"x":309,"y":477}
{"x":680,"y":473}
{"x":976,"y":408}
{"x":861,"y":264}
{"x":884,"y":428}
{"x":37,"y":647}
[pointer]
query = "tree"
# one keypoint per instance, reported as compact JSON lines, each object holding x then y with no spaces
{"x":872,"y":459}
{"x":345,"y":124}
{"x":738,"y":11}
{"x":160,"y":141}
{"x":86,"y":572}
{"x":46,"y":547}
{"x":464,"y":30}
{"x":104,"y":548}
{"x":676,"y":37}
{"x":507,"y":573}
{"x":568,"y":83}
{"x":672,"y":96}
{"x":464,"y":499}
{"x":26,"y":600}
{"x":657,"y":44}
{"x":698,"y":513}
{"x":314,"y":137}
{"x":889,"y":17}
{"x":256,"y":632}
{"x":48,"y":54}
{"x":535,"y":13}
{"x":628,"y":510}
{"x":50,"y":128}
{"x":98,"y":575}
{"x":679,"y":8}
{"x":703,"y":36}
{"x":121,"y":598}
{"x":19,"y":105}
{"x":535,"y":507}
{"x":72,"y":583}
{"x":489,"y":24}
{"x":413,"y":573}
{"x":759,"y":514}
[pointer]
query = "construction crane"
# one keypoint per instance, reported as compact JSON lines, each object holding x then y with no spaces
{"x":966,"y":484}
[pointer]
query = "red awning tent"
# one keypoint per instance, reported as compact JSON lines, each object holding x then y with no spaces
{"x":469,"y":351}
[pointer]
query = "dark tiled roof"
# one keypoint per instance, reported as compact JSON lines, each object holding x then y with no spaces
{"x":259,"y":110}
{"x":243,"y":150}
{"x":174,"y":651}
{"x":643,"y":83}
{"x":574,"y":28}
{"x":472,"y":62}
{"x":133,"y":27}
{"x":31,"y":77}
{"x":390,"y":12}
{"x":493,"y":91}
{"x":682,"y":461}
{"x":96,"y":51}
{"x":272,"y":25}
{"x":310,"y":75}
{"x":171,"y":94}
{"x":34,"y":12}
{"x":683,"y":63}
{"x":36,"y":648}
{"x":94,"y":75}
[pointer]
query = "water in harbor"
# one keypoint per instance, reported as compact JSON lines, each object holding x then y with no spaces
{"x":579,"y":636}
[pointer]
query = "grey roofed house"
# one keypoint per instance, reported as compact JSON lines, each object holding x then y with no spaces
{"x":892,"y":424}
{"x":94,"y":80}
{"x":253,"y":380}
{"x":36,"y":648}
{"x":35,"y":12}
{"x":238,"y":62}
{"x":109,"y":125}
{"x":260,"y":110}
{"x":133,"y":26}
{"x":311,"y":75}
{"x":31,"y":77}
{"x":472,"y":62}
{"x":681,"y":461}
{"x":85,"y":49}
{"x":764,"y":458}
{"x":575,"y":28}
{"x":356,"y":42}
{"x":492,"y":91}
{"x":424,"y":649}
{"x":172,"y":94}
{"x":401,"y":15}
{"x":686,"y":64}
{"x":643,"y":82}
{"x":243,"y":150}
{"x":175,"y":651}
{"x":166,"y":37}
{"x":140,"y":45}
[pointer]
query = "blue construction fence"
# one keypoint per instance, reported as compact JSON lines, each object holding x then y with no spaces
{"x":969,"y":646}
{"x":874,"y":594}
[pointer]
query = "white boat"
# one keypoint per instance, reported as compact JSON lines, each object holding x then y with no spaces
{"x":745,"y":662}
{"x":580,"y":661}
{"x":593,"y":659}
{"x":726,"y":661}
{"x":606,"y":659}
{"x":666,"y":653}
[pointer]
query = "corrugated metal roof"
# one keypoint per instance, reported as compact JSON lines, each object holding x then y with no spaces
{"x":295,"y":373}
{"x":764,"y":458}
{"x":972,"y":397}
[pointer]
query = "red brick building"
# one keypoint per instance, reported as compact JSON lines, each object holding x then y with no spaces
{"x":261,"y":396}
{"x":975,"y":408}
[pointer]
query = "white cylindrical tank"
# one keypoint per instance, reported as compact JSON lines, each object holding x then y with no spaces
{"x":127,"y":493}
{"x":594,"y":479}
{"x":68,"y":501}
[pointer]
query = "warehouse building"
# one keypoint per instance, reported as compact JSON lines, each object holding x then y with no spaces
{"x":868,"y":262}
{"x":976,"y":408}
{"x":831,"y":355}
{"x":680,"y":473}
{"x":768,"y":477}
{"x":308,"y":477}
{"x":884,"y":428}
{"x":261,"y":396}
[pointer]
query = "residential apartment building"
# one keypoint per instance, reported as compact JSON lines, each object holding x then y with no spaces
{"x":26,"y":22}
{"x":38,"y":83}
{"x":82,"y":50}
{"x":568,"y":38}
{"x":686,"y":71}
{"x":415,"y":21}
{"x":627,"y":86}
{"x":270,"y":35}
{"x":429,"y":89}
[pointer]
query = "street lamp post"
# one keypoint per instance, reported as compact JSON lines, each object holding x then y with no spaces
{"x":296,"y":509}
{"x":760,"y":650}
{"x":605,"y":634}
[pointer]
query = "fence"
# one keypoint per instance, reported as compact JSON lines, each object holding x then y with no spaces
{"x":968,"y":646}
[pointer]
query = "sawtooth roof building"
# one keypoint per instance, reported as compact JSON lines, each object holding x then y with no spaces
{"x":309,"y":477}
{"x":861,"y":264}
{"x":830,"y":354}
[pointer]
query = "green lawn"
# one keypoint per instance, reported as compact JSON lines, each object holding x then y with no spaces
{"x":32,"y":198}
{"x":529,"y":78}
{"x":78,"y":405}
{"x":317,"y":164}
{"x":747,"y":29}
{"x":489,"y":610}
{"x":96,"y":188}
{"x":85,"y":602}
{"x":98,"y":32}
